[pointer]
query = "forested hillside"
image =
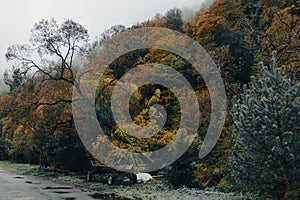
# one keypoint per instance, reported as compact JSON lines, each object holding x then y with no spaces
{"x":36,"y":114}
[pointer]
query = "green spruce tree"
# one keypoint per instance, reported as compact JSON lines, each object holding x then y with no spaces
{"x":267,"y":126}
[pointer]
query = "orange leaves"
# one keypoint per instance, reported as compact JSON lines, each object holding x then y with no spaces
{"x":284,"y":28}
{"x":220,"y":14}
{"x":29,"y":122}
{"x":40,"y":112}
{"x":283,"y":37}
{"x":7,"y":124}
{"x":19,"y":129}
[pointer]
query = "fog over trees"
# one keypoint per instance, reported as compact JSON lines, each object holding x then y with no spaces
{"x":255,"y":45}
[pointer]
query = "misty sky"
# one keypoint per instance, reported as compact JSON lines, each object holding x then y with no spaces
{"x":18,"y":16}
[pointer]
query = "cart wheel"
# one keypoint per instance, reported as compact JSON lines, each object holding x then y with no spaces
{"x":133,"y":178}
{"x":110,"y":180}
{"x":89,"y":176}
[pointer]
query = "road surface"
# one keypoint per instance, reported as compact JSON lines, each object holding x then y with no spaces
{"x":22,"y":187}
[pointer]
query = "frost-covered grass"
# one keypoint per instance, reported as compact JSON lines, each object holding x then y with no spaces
{"x":154,"y":190}
{"x":160,"y":190}
{"x":21,"y":168}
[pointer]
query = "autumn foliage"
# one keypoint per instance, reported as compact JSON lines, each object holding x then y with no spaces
{"x":36,"y":114}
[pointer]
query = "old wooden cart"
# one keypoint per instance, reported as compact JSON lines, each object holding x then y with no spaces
{"x":113,"y":174}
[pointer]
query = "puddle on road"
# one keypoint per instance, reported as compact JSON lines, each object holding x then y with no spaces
{"x":69,"y":198}
{"x":19,"y":177}
{"x":61,"y":192}
{"x":31,"y":182}
{"x":108,"y":196}
{"x":57,"y":188}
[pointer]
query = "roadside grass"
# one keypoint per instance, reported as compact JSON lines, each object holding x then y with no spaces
{"x":35,"y":170}
{"x":21,"y":168}
{"x":69,"y":180}
{"x":155,"y":189}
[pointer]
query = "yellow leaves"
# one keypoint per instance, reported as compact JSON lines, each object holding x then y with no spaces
{"x":140,"y":119}
{"x":28,"y":126}
{"x":155,"y":98}
{"x":4,"y":100}
{"x":224,"y":183}
{"x":217,"y":170}
{"x":158,"y":92}
{"x":121,"y":134}
{"x":219,"y":20}
{"x":66,"y":113}
{"x":7,"y":124}
{"x":150,"y":24}
{"x":155,"y":55}
{"x":218,"y":15}
{"x":208,"y":175}
{"x":166,"y":137}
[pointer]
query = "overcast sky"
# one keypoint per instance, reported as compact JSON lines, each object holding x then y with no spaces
{"x":18,"y":16}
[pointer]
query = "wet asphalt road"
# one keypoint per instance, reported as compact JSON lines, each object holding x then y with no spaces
{"x":23,"y":187}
